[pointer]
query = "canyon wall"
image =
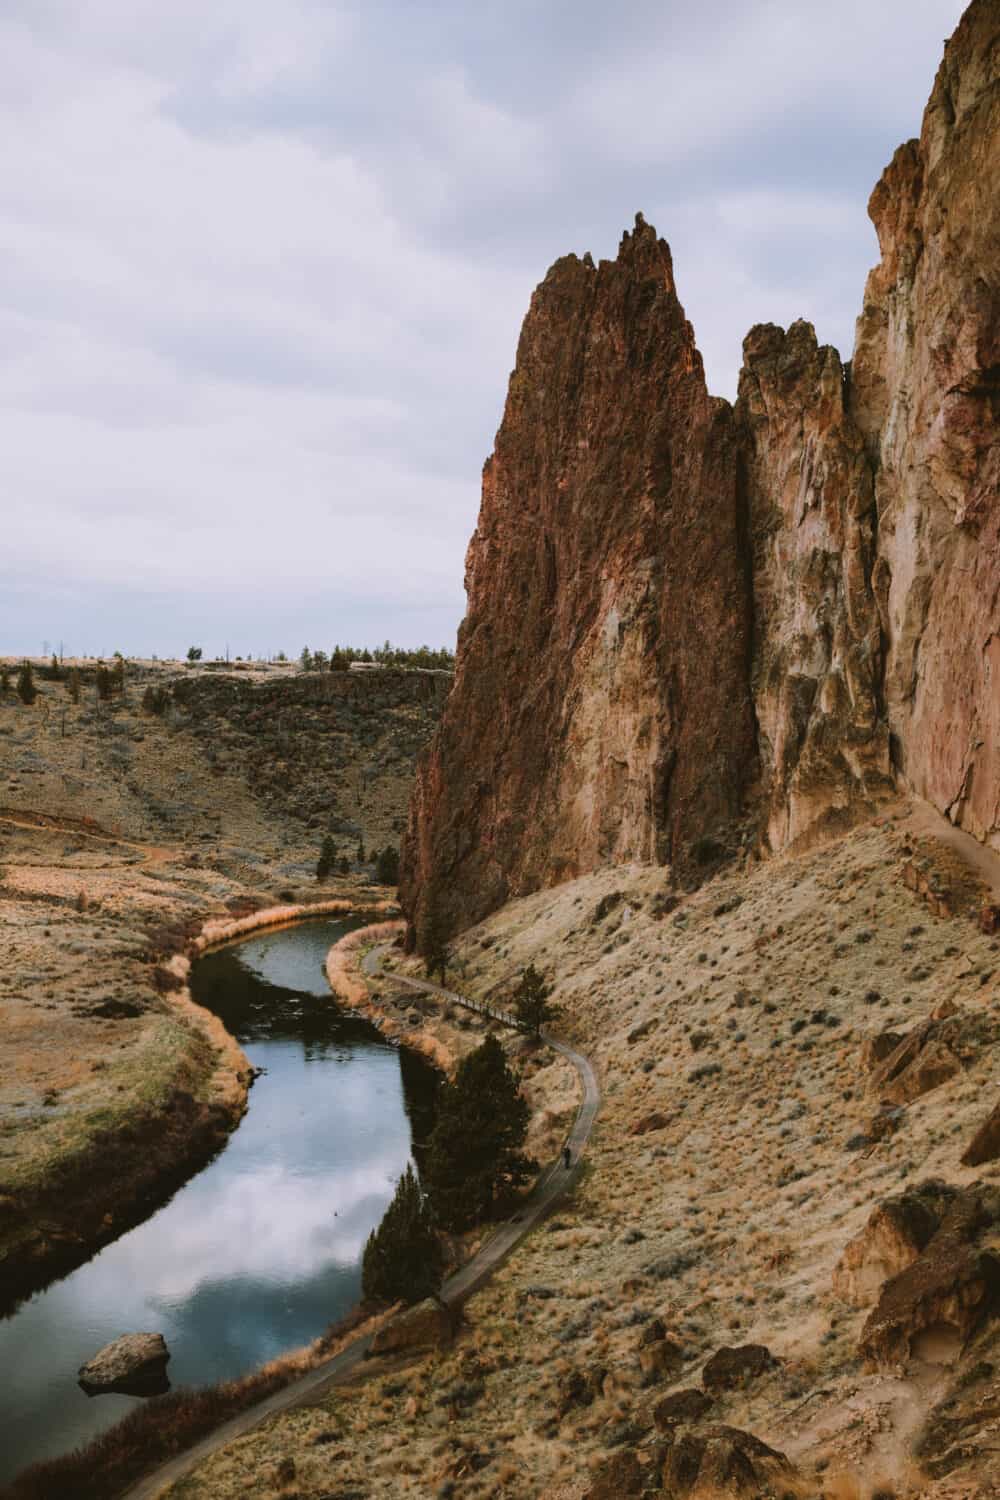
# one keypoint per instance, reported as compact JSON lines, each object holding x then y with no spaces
{"x":692,"y":627}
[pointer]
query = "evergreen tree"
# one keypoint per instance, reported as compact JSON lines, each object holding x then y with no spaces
{"x":53,"y":672}
{"x":403,"y":1258}
{"x":474,"y":1158}
{"x":387,"y":866}
{"x":339,"y":660}
{"x":5,"y":686}
{"x":433,"y":945}
{"x":26,"y":690}
{"x":305,"y":659}
{"x":194,"y":654}
{"x":73,"y":684}
{"x":531,"y":1001}
{"x":327,"y":862}
{"x":103,"y":683}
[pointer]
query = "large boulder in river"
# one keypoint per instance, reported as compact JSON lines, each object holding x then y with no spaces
{"x":133,"y":1365}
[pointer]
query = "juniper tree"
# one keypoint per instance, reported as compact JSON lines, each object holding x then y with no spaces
{"x":26,"y":690}
{"x":403,"y":1258}
{"x":433,"y":945}
{"x":531,"y":1001}
{"x":474,"y":1159}
{"x":327,"y":862}
{"x":387,"y":866}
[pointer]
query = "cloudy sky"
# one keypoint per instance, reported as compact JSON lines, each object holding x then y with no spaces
{"x":264,"y":264}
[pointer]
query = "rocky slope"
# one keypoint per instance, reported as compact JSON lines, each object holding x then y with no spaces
{"x":692,"y":626}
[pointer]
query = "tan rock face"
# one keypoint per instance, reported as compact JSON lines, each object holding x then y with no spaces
{"x":687,"y":620}
{"x":926,"y":393}
{"x":896,"y":1234}
{"x":817,"y":647}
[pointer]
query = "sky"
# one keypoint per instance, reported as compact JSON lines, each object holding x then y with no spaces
{"x":264,"y":263}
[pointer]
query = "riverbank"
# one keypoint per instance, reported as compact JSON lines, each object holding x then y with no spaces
{"x":737,"y":1156}
{"x":115,"y":1086}
{"x":430,"y":1023}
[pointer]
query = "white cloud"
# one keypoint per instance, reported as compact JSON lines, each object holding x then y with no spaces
{"x":263,"y":268}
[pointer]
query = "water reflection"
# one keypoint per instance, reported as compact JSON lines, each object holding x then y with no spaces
{"x":262,"y":1249}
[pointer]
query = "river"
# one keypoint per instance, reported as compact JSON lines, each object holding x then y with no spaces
{"x":261,"y":1250}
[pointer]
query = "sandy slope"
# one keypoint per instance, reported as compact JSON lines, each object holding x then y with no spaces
{"x":729,"y":1030}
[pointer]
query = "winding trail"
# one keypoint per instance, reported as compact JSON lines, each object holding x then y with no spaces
{"x":550,"y":1187}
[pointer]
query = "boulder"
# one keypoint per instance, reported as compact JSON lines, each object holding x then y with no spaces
{"x":985,"y":1144}
{"x":876,"y":1048}
{"x":656,"y":1120}
{"x":896,"y":1233}
{"x":733,"y":1367}
{"x":620,"y":1475}
{"x":133,"y":1365}
{"x":680,"y":1408}
{"x":723,"y":1461}
{"x":428,"y":1325}
{"x":949,"y":1290}
{"x":928,"y":1056}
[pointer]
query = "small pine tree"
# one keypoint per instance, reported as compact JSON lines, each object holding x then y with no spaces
{"x":327,"y":862}
{"x":361,"y":851}
{"x":194,"y":654}
{"x":73,"y":684}
{"x":474,"y":1159}
{"x":387,"y":866}
{"x":26,"y":690}
{"x":53,"y":672}
{"x":118,"y":674}
{"x":103,"y":683}
{"x":531,"y":1002}
{"x":305,"y":659}
{"x":339,"y":660}
{"x":5,"y":684}
{"x":433,"y":945}
{"x":403,"y":1258}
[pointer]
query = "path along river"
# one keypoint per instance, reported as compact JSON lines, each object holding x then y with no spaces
{"x":261,"y":1250}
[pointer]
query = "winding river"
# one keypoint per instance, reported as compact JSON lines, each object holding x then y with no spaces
{"x":261,"y":1250}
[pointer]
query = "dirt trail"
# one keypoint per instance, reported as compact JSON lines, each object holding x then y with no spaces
{"x":80,"y":828}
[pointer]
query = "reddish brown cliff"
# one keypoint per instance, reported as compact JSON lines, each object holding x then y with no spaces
{"x":685,"y":619}
{"x":601,"y":709}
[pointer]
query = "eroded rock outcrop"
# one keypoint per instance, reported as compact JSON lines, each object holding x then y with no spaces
{"x":926,"y":393}
{"x":824,"y":747}
{"x":692,"y":627}
{"x":601,"y":708}
{"x":943,"y":1295}
{"x":897,"y":1232}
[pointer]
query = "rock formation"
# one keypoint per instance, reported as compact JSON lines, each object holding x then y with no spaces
{"x":691,"y":626}
{"x":133,"y":1365}
{"x":601,"y":709}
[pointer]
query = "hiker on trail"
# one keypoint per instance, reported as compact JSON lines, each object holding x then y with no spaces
{"x":567,"y":1158}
